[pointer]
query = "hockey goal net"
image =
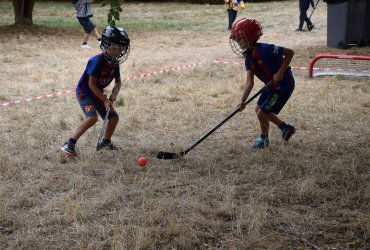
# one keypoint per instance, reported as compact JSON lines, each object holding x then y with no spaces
{"x":344,"y":65}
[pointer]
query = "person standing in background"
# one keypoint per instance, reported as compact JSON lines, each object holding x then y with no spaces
{"x":84,"y":14}
{"x":304,"y":5}
{"x":232,"y":10}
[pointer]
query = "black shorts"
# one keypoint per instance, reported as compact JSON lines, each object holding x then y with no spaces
{"x":86,"y":24}
{"x":273,"y":101}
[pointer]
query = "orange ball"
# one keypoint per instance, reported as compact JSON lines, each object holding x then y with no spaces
{"x":142,"y":161}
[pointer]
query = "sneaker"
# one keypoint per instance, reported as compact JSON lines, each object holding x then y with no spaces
{"x":85,"y":46}
{"x":69,"y":149}
{"x":261,"y":143}
{"x":310,"y":27}
{"x":287,"y":131}
{"x":106,"y":145}
{"x":298,"y":29}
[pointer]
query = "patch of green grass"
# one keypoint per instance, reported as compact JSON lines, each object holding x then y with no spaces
{"x":148,"y":16}
{"x":56,"y":22}
{"x":159,"y":25}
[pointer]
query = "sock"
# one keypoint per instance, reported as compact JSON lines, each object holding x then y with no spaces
{"x":72,"y":141}
{"x":282,"y":125}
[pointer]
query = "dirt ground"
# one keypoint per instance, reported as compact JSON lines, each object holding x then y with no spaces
{"x":313,"y":193}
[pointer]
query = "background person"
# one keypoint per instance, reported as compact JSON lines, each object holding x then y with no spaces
{"x":84,"y":14}
{"x":232,"y":10}
{"x":99,"y":72}
{"x":269,"y":63}
{"x":304,"y":5}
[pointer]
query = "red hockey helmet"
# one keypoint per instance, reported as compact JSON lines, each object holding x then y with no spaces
{"x":244,"y":35}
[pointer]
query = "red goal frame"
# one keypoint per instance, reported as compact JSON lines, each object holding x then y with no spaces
{"x":336,"y":57}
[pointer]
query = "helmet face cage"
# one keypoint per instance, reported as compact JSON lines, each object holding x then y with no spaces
{"x":244,"y":36}
{"x":235,"y":47}
{"x":115,"y":38}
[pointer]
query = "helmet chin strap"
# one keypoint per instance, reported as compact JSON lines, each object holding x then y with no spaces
{"x":246,"y":52}
{"x":110,"y":60}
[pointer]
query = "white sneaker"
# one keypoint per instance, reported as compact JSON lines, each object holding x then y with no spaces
{"x":85,"y":46}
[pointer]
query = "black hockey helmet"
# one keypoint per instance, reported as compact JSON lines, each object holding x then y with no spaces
{"x":116,"y":38}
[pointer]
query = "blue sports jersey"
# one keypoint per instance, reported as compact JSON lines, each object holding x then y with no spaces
{"x":265,"y":62}
{"x":98,"y":67}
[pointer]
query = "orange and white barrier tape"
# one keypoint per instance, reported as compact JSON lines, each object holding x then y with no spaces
{"x":131,"y":78}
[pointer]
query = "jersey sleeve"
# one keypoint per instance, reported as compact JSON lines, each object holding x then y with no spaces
{"x":247,"y":65}
{"x":274,"y":51}
{"x":92,"y":67}
{"x":116,"y":73}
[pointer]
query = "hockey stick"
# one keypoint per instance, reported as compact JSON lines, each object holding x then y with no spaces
{"x":168,"y":155}
{"x":102,"y":130}
{"x":314,"y":9}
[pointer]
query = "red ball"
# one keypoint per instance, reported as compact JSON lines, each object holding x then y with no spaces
{"x":142,"y":161}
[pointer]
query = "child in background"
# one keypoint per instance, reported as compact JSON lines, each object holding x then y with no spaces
{"x":99,"y":73}
{"x":232,"y":10}
{"x":304,"y":5}
{"x":84,"y":14}
{"x":269,"y":63}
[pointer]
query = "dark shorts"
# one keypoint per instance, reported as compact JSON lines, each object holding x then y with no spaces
{"x":92,"y":107}
{"x":273,"y":101}
{"x":86,"y":24}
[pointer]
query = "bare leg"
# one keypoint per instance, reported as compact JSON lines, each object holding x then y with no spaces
{"x":274,"y":119}
{"x":83,"y":126}
{"x":85,"y":37}
{"x":111,"y":127}
{"x":95,"y":33}
{"x":265,"y":118}
{"x":264,"y":121}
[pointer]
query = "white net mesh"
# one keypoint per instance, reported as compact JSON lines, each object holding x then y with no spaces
{"x":345,"y":66}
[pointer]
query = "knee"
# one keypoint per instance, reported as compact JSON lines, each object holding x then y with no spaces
{"x":256,"y":109}
{"x":114,"y":119}
{"x":260,"y":114}
{"x":92,"y":120}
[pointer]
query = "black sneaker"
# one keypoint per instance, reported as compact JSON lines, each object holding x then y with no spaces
{"x":69,"y":149}
{"x":298,"y":29}
{"x":310,"y":27}
{"x":287,"y":131}
{"x":106,"y":145}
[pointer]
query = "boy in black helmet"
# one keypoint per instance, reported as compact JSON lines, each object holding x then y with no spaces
{"x":99,"y":72}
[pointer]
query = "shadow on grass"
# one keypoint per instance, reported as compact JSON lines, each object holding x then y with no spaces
{"x":37,"y":30}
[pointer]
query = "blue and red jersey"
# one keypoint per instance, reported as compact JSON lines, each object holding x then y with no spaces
{"x":98,"y":67}
{"x":265,"y":62}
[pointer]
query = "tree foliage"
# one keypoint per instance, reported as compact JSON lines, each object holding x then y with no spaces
{"x":114,"y":11}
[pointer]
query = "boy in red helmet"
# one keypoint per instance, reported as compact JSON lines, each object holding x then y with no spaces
{"x":269,"y":63}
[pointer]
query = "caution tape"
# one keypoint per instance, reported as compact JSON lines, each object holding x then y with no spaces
{"x":131,"y":78}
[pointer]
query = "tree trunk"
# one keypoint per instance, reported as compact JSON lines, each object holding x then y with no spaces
{"x":23,"y":11}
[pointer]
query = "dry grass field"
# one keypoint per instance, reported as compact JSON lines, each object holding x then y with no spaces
{"x":312,"y":193}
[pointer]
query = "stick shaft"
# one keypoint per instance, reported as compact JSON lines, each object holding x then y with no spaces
{"x":105,"y":121}
{"x":314,"y":9}
{"x":224,"y":120}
